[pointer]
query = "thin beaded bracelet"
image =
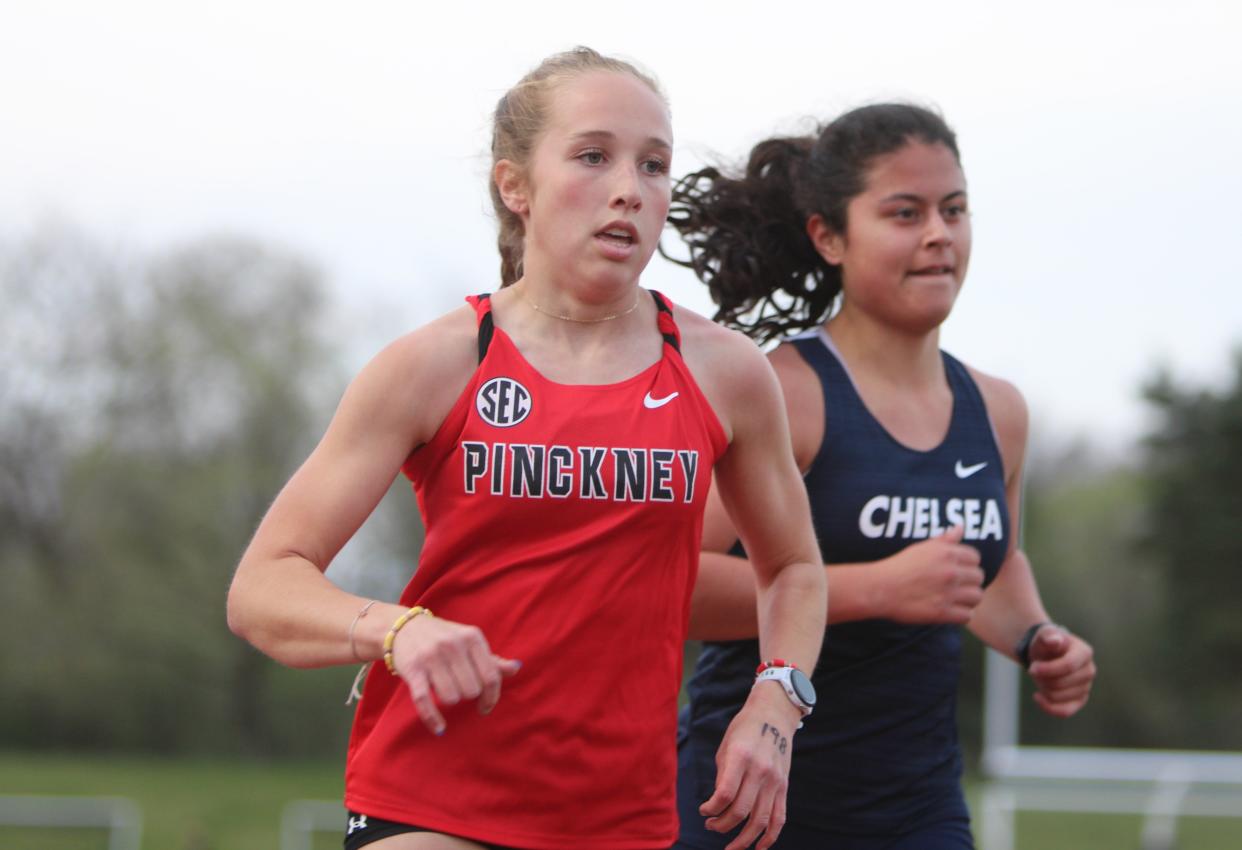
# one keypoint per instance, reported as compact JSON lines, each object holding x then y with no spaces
{"x":353,"y":648}
{"x":396,"y":627}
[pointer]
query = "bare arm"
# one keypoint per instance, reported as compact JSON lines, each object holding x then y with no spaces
{"x":1063,"y":665}
{"x":936,"y":581}
{"x":724,"y":603}
{"x":762,"y":493}
{"x":280,"y":600}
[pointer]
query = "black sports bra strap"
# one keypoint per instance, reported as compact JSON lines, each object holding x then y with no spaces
{"x":487,"y":327}
{"x":662,"y":307}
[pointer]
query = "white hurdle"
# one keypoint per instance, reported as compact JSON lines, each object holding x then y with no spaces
{"x":120,"y":816}
{"x":1160,"y":785}
{"x":301,"y":819}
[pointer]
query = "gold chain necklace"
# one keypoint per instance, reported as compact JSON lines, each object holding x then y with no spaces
{"x":563,"y":318}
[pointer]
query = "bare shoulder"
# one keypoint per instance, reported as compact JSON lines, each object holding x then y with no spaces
{"x":731,"y":370}
{"x":415,"y":379}
{"x":804,"y":402}
{"x":796,"y":375}
{"x":446,"y":342}
{"x":718,"y":354}
{"x":1009,"y":413}
{"x":437,"y":349}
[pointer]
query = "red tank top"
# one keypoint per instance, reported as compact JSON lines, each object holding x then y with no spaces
{"x":564,"y":521}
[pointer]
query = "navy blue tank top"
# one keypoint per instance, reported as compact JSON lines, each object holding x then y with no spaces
{"x":880,"y":753}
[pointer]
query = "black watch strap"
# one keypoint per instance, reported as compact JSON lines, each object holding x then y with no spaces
{"x":1022,"y":649}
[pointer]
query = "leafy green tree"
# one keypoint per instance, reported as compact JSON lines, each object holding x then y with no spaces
{"x":1193,"y":466}
{"x":1081,"y":517}
{"x":1142,"y":559}
{"x":1080,"y":510}
{"x":153,"y":408}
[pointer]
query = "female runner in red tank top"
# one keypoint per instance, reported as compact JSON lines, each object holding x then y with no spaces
{"x":560,"y":436}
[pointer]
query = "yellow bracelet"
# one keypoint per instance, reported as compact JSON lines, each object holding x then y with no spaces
{"x":396,"y":627}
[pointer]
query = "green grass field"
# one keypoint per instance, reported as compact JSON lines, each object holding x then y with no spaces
{"x":186,"y":804}
{"x":228,"y":805}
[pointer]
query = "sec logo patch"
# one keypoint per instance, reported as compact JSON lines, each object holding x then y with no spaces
{"x":503,"y":402}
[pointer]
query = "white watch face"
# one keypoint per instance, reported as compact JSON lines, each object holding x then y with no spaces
{"x":802,"y":687}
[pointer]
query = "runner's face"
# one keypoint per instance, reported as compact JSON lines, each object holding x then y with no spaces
{"x":598,"y":185}
{"x":907,"y":241}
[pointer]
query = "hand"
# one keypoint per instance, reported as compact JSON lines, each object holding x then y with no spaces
{"x":451,"y":661}
{"x":752,"y":769}
{"x":1063,"y":667}
{"x":938,"y":580}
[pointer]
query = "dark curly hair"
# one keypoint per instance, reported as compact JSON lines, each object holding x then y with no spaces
{"x":747,"y":234}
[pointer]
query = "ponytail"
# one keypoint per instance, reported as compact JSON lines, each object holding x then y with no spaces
{"x":748,"y":242}
{"x":747,"y":235}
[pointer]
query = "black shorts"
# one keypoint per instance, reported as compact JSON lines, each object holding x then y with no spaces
{"x":361,"y":830}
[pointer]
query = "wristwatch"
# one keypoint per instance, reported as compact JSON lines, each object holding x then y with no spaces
{"x":796,"y":684}
{"x":1022,"y":649}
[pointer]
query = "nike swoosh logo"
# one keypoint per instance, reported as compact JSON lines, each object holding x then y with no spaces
{"x":967,"y":471}
{"x":652,"y":403}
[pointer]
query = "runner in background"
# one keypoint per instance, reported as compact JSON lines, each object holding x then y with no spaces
{"x":913,"y":464}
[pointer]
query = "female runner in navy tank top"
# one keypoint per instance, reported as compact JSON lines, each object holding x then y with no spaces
{"x":561,"y":436}
{"x":912,"y":461}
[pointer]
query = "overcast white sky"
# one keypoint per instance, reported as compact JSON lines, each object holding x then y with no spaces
{"x":1100,"y":140}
